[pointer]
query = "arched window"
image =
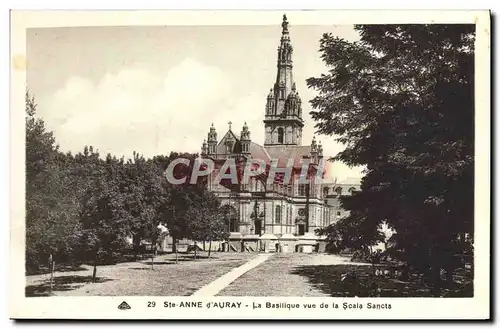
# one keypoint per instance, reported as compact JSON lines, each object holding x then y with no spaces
{"x":325,"y":192}
{"x":278,"y":215}
{"x":351,"y":190}
{"x":280,"y":135}
{"x":338,"y":190}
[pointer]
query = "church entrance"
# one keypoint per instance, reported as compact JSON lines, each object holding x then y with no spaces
{"x":302,"y":229}
{"x":258,"y":227}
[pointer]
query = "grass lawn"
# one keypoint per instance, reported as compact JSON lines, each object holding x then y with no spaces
{"x":139,"y":279}
{"x":303,"y":275}
{"x":328,"y":279}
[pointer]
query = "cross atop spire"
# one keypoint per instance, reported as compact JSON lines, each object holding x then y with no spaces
{"x":229,"y":123}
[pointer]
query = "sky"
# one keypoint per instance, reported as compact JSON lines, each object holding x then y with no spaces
{"x":158,"y":89}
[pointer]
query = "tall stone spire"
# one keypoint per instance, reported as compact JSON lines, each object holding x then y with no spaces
{"x":283,"y":118}
{"x":284,"y":77}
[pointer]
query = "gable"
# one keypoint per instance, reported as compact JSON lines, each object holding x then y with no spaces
{"x":229,"y":139}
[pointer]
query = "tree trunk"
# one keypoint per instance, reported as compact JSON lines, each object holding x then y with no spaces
{"x":440,"y":260}
{"x":94,"y":273}
{"x":436,"y":281}
{"x":153,"y":251}
{"x":449,"y":275}
{"x":195,"y":247}
{"x":174,"y":246}
{"x":136,"y":242}
{"x":449,"y":265}
{"x":209,"y":248}
{"x":52,"y":269}
{"x":435,"y":275}
{"x":204,"y":249}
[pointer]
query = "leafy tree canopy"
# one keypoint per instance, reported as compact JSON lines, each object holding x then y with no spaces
{"x":401,"y":99}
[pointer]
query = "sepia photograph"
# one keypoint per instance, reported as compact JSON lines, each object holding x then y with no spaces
{"x":285,"y":159}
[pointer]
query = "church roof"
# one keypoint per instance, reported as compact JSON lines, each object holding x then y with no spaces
{"x":259,"y":152}
{"x":280,"y":153}
{"x":283,"y":153}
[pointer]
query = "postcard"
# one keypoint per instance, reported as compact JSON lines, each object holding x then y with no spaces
{"x":300,"y":164}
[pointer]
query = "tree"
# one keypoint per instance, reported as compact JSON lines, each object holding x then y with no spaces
{"x":145,"y":193}
{"x":81,"y":208}
{"x":50,"y":203}
{"x":402,"y":101}
{"x":207,"y":222}
{"x":103,"y":219}
{"x":179,"y":199}
{"x":354,"y":232}
{"x":148,"y":197}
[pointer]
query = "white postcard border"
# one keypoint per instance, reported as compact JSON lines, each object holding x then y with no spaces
{"x":106,"y":307}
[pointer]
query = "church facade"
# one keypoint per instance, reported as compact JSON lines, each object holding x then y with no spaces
{"x":282,"y":215}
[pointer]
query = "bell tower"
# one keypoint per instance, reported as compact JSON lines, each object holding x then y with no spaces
{"x":283,"y":119}
{"x":210,"y":147}
{"x":245,"y":140}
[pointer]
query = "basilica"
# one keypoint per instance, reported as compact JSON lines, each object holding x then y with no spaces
{"x":281,"y":216}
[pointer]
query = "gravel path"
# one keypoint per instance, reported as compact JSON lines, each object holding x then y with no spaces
{"x":214,"y":287}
